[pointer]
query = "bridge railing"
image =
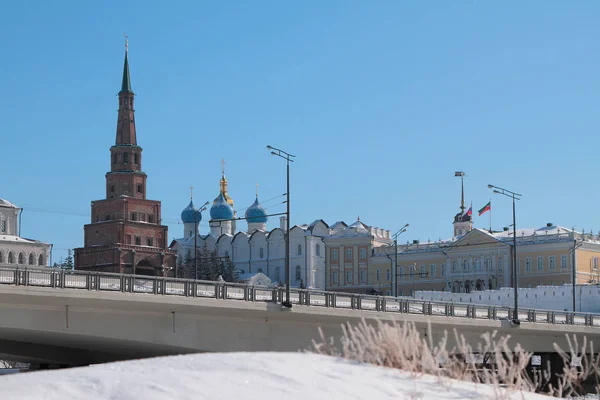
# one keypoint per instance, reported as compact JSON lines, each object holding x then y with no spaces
{"x":65,"y":279}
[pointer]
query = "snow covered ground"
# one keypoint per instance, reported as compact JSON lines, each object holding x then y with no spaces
{"x":234,"y":376}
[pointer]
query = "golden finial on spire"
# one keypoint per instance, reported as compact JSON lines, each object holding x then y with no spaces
{"x":191,"y":192}
{"x":126,"y":42}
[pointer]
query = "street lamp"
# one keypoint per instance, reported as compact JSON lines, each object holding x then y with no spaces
{"x":514,"y":196}
{"x":197,"y":213}
{"x":288,"y":159}
{"x":395,"y":237}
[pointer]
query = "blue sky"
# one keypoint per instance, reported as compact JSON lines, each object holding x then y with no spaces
{"x":380,"y":101}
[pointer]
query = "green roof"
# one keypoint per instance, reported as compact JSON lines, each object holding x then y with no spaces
{"x":126,"y":85}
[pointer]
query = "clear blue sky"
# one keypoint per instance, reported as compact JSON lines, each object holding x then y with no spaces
{"x":381,"y":101}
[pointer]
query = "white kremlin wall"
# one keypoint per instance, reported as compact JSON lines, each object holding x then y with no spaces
{"x":587,"y":297}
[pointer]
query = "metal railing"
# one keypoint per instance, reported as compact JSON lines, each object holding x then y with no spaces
{"x":62,"y":279}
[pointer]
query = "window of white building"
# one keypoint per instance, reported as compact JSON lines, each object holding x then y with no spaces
{"x":388,"y":275}
{"x":432,"y":270}
{"x":500,"y":264}
{"x":363,"y":276}
{"x":453,"y":266}
{"x":334,"y":277}
{"x":318,"y":250}
{"x":277,"y":274}
{"x":443,"y":271}
{"x":488,"y":264}
{"x":261,"y":253}
{"x":298,"y":273}
{"x":363,"y":254}
{"x":3,"y":226}
{"x":299,"y":249}
{"x":552,"y":262}
{"x":422,"y":271}
{"x":540,"y":263}
{"x":348,"y":277}
{"x":528,"y":264}
{"x":595,"y":263}
{"x":349,"y":254}
{"x":466,"y":266}
{"x":378,"y":274}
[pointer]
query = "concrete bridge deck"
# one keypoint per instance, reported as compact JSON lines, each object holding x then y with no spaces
{"x":62,"y":318}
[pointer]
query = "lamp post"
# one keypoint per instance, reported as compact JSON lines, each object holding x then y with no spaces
{"x":197,"y":213}
{"x":395,"y":237}
{"x":288,"y":159}
{"x":514,"y":196}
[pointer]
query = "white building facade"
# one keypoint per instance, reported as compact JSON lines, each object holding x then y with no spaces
{"x":15,"y":250}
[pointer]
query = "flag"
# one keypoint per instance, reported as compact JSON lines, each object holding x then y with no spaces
{"x":459,"y":173}
{"x":469,"y":212}
{"x":485,"y":208}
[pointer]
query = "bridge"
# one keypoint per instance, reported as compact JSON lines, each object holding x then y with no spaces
{"x":76,"y":318}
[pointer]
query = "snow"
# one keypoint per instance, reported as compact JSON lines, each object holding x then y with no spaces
{"x":245,"y":376}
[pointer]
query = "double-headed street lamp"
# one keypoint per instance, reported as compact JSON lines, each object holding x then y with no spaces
{"x":514,"y":196}
{"x":197,"y":218}
{"x":288,"y":158}
{"x":395,"y":237}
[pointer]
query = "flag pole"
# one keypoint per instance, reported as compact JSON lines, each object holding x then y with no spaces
{"x":490,"y":214}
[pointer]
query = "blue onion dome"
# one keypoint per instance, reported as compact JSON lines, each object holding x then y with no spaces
{"x":191,"y":214}
{"x":256,"y":213}
{"x":221,"y":208}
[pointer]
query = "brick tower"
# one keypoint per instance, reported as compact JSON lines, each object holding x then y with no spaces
{"x":125,"y":234}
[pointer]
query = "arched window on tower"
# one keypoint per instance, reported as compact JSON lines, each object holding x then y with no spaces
{"x":299,"y":249}
{"x":318,"y":250}
{"x":114,"y":158}
{"x":31,"y":259}
{"x":41,"y":260}
{"x":21,"y":259}
{"x":11,"y":258}
{"x":125,"y":158}
{"x":135,"y":158}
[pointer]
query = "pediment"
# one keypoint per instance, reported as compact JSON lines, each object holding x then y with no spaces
{"x":476,"y":237}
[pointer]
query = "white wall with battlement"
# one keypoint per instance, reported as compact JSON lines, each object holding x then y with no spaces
{"x":587,"y":297}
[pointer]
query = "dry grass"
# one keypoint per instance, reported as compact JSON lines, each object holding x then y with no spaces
{"x":401,"y":346}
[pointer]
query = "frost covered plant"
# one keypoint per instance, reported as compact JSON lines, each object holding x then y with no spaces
{"x":401,"y":346}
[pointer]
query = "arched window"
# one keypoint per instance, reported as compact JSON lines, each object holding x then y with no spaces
{"x":260,"y":270}
{"x":261,"y":253}
{"x":125,"y":158}
{"x":41,"y":260}
{"x":135,"y":158}
{"x":277,"y":274}
{"x":453,"y":266}
{"x":21,"y":259}
{"x":318,"y":250}
{"x":1,"y":257}
{"x":466,"y":265}
{"x":11,"y":258}
{"x":488,"y":264}
{"x":114,"y":158}
{"x":31,"y":259}
{"x":3,"y":226}
{"x":299,"y":249}
{"x":477,"y":264}
{"x":500,"y":264}
{"x":298,"y":273}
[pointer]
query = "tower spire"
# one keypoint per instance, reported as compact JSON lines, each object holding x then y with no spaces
{"x":126,"y":84}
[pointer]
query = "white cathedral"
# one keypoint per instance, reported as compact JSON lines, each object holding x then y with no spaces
{"x":256,"y":250}
{"x":15,"y":250}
